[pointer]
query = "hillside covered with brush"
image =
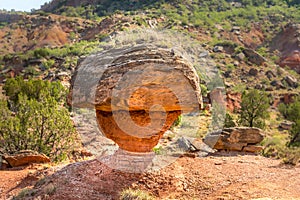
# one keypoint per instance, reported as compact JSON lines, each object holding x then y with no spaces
{"x":254,"y":44}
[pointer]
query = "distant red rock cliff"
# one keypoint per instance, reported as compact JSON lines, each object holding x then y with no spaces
{"x":287,"y":42}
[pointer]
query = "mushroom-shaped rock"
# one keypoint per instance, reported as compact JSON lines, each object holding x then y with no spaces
{"x":140,"y":92}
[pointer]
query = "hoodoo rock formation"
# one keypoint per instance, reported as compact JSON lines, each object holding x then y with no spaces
{"x":140,"y":92}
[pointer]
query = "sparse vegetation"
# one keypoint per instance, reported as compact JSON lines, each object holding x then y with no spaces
{"x":33,"y":118}
{"x":47,"y":64}
{"x":34,"y":114}
{"x":218,"y":116}
{"x":204,"y":90}
{"x":158,"y":150}
{"x":130,"y":194}
{"x":25,"y":192}
{"x":50,"y":189}
{"x":276,"y":146}
{"x":292,"y":113}
{"x":229,"y":121}
{"x":177,"y":122}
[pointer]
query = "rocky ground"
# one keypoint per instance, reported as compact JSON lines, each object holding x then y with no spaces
{"x":242,"y":63}
{"x":218,"y":176}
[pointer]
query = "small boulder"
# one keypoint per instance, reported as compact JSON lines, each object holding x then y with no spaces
{"x":202,"y":148}
{"x":236,"y":63}
{"x":186,"y":144}
{"x":270,"y":74}
{"x":235,"y":28}
{"x":235,"y":139}
{"x":218,"y":49}
{"x":190,"y":147}
{"x":270,"y":89}
{"x":26,"y":157}
{"x":291,"y":81}
{"x":274,"y":83}
{"x":253,"y":72}
{"x":259,"y":86}
{"x":240,"y":56}
{"x":247,"y":135}
{"x":277,"y":84}
{"x":286,"y":125}
{"x":204,"y":54}
{"x":183,"y":143}
{"x":227,"y":74}
{"x":254,"y":57}
{"x":237,"y":32}
{"x":3,"y":163}
{"x":219,"y":27}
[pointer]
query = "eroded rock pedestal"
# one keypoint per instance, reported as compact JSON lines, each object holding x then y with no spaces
{"x":141,"y":93}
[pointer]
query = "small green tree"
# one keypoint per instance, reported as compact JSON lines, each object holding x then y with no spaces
{"x":254,"y":108}
{"x":34,"y":118}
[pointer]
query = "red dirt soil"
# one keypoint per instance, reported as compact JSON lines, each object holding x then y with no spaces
{"x":222,"y":176}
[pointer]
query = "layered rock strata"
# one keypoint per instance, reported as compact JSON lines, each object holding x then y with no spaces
{"x":139,"y":93}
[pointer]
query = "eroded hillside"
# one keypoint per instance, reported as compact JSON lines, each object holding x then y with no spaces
{"x":254,"y":44}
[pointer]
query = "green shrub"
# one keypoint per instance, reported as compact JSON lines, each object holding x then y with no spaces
{"x":41,"y":52}
{"x":33,"y":89}
{"x":230,"y":66}
{"x":33,"y":118}
{"x":227,"y":43}
{"x":102,"y":36}
{"x":204,"y":90}
{"x":32,"y":71}
{"x":263,"y":51}
{"x":229,"y":121}
{"x":292,"y":113}
{"x":239,"y":49}
{"x":158,"y":150}
{"x":177,"y":122}
{"x":72,"y":36}
{"x":48,"y":63}
{"x":275,"y":147}
{"x":24,"y":193}
{"x":291,"y":156}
